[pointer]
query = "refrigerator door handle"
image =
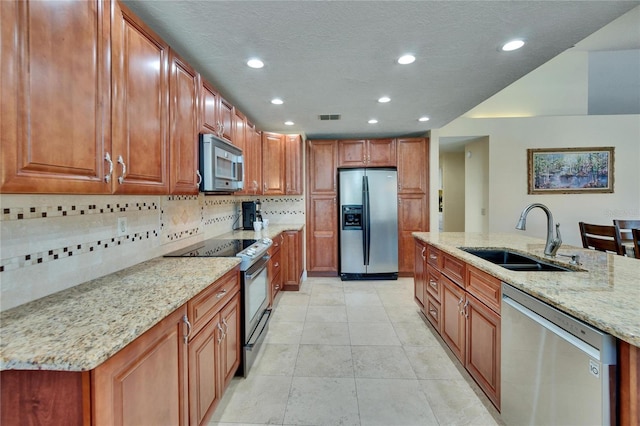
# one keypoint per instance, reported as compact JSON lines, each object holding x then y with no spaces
{"x":366,"y":225}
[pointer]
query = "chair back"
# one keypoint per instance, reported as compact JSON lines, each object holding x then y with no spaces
{"x":624,"y":227}
{"x":600,"y":237}
{"x":636,"y":242}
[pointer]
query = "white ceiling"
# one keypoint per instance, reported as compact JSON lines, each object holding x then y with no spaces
{"x":338,"y":57}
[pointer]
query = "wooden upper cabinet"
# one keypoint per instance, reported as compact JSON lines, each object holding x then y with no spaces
{"x":413,"y":166}
{"x":55,"y":96}
{"x":352,"y":153}
{"x":184,"y":90}
{"x":367,"y":153}
{"x":140,"y":114}
{"x":322,"y":158}
{"x":252,"y":151}
{"x":225,"y":119}
{"x":293,"y":154}
{"x":238,"y":136}
{"x":273,"y":164}
{"x":209,"y":100}
{"x":382,"y":153}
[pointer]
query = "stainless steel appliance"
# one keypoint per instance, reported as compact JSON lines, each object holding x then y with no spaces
{"x":555,"y":370}
{"x":253,"y":287}
{"x":368,"y":223}
{"x":221,"y":165}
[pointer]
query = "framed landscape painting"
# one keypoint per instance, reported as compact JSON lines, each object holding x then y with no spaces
{"x":570,"y":170}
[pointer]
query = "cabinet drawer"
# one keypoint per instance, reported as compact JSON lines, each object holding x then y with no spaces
{"x":453,"y":268}
{"x":209,"y":301}
{"x":434,"y":257}
{"x":484,"y":287}
{"x":433,"y":282}
{"x":275,"y":265}
{"x":432,"y":310}
{"x":277,"y":244}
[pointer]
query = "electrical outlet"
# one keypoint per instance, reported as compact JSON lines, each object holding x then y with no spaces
{"x":122,"y":227}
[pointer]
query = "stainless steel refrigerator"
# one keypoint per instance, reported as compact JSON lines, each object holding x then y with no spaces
{"x":368,"y":223}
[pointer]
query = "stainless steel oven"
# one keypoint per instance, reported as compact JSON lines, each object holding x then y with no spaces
{"x":254,"y":287}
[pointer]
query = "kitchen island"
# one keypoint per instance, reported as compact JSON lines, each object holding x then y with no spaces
{"x":603,"y":290}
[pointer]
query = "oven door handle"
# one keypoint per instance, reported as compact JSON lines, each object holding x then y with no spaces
{"x":259,"y":266}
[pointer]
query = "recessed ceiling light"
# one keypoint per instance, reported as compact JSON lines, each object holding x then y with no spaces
{"x":512,"y":45}
{"x":289,"y":123}
{"x":277,"y":101}
{"x":384,"y":99}
{"x":372,"y":121}
{"x":406,"y":59}
{"x":255,"y":63}
{"x":425,"y":118}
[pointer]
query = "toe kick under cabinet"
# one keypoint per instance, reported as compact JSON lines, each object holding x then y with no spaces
{"x":175,"y":373}
{"x":462,"y":304}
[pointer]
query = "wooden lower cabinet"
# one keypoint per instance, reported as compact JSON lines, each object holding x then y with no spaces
{"x":146,"y":382}
{"x":419,"y":277}
{"x":214,"y":357}
{"x":322,"y":249}
{"x":292,"y":265}
{"x":452,"y":328}
{"x":411,"y":218}
{"x":274,"y":269}
{"x":482,"y":347}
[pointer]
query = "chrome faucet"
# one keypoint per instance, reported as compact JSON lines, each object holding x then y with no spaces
{"x":553,"y":244}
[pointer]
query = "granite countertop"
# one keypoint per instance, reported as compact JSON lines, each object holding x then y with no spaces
{"x":80,"y":328}
{"x":605,"y":293}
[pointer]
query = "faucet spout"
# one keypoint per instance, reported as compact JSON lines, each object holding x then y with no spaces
{"x":553,"y":243}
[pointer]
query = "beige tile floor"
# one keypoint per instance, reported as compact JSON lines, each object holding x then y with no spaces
{"x":353,"y":353}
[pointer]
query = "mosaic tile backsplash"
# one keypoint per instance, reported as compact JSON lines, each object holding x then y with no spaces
{"x":52,"y":242}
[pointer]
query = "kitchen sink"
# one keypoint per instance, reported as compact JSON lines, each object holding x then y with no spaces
{"x":514,"y":261}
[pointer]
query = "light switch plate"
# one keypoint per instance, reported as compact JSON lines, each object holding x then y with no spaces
{"x":122,"y":227}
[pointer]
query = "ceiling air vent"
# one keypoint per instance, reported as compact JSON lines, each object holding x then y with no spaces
{"x":325,"y":117}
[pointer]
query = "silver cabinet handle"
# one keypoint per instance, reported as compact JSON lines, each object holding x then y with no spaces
{"x":124,"y":169}
{"x":221,"y":293}
{"x":186,"y":321}
{"x":434,"y":284}
{"x":199,"y":177}
{"x":464,"y":309}
{"x":221,"y":333}
{"x":226,"y":326}
{"x":433,"y":256}
{"x":107,"y":158}
{"x":422,"y":253}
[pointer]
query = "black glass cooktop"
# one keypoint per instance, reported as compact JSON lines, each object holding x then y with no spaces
{"x":212,"y":248}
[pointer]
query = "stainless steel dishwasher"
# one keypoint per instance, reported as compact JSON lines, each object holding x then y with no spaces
{"x":555,"y":370}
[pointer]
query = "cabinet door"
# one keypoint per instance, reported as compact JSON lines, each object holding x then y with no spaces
{"x":381,"y":153}
{"x":413,"y":166}
{"x":419,"y":274}
{"x":252,"y":160}
{"x":204,"y":363}
{"x":231,"y":344}
{"x":293,"y":151}
{"x":140,"y":106}
{"x":256,"y":163}
{"x":183,"y":90}
{"x":225,"y":119}
{"x":146,"y":382}
{"x":483,"y":347}
{"x":321,"y":167}
{"x":453,"y":324}
{"x":412,"y":217}
{"x":240,"y":140}
{"x":322,"y":242}
{"x":55,"y":89}
{"x":292,"y":260}
{"x":352,"y":153}
{"x":273,"y":164}
{"x":209,"y":100}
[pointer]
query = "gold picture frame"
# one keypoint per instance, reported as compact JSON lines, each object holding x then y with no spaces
{"x":570,"y":170}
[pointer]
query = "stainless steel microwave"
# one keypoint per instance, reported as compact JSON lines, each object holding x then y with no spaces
{"x":221,"y":165}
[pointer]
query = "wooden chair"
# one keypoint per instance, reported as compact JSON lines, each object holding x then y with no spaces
{"x":600,"y":237}
{"x":623,"y":229}
{"x":636,"y":242}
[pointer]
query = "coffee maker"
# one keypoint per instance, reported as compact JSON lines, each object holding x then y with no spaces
{"x":251,"y":213}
